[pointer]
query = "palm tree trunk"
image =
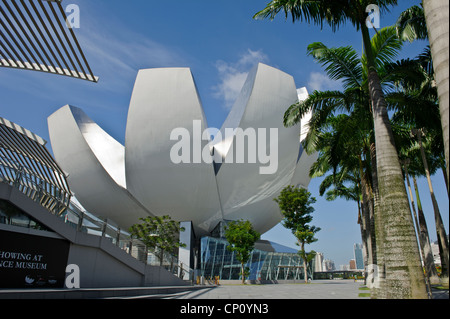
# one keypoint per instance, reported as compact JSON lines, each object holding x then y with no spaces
{"x":440,"y":229}
{"x":364,"y":241}
{"x":404,"y":275}
{"x":367,"y":242}
{"x":379,"y":291}
{"x":363,"y":227}
{"x":444,"y":172}
{"x":437,"y":16}
{"x":367,"y":212}
{"x":428,"y":262}
{"x":428,"y":253}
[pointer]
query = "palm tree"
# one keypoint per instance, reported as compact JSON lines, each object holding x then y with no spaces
{"x":442,"y":236}
{"x":343,"y":146}
{"x":363,"y":86}
{"x":436,"y":14}
{"x":415,"y":104}
{"x":430,"y":21}
{"x":422,"y":229}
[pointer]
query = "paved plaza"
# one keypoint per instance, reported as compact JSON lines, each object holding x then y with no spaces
{"x":318,"y":289}
{"x":323,"y":289}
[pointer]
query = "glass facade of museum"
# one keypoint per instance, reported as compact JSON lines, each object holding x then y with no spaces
{"x":217,"y":261}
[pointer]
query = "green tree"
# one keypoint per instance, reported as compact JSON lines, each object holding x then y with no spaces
{"x":296,"y":207}
{"x":158,"y":233}
{"x":400,"y":256}
{"x":241,"y":238}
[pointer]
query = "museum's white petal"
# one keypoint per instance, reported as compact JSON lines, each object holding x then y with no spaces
{"x":94,"y":162}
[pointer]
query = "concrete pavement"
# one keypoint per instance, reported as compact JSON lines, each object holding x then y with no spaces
{"x":321,"y":289}
{"x":318,"y":289}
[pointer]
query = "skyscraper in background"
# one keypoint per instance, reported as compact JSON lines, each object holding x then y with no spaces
{"x":358,"y":253}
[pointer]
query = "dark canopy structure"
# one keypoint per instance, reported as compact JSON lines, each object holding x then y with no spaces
{"x":26,"y":164}
{"x":35,"y":35}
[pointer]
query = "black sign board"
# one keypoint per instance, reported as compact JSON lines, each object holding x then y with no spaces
{"x":29,"y":261}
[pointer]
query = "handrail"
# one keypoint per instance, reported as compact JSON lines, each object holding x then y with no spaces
{"x":32,"y":185}
{"x":37,"y":189}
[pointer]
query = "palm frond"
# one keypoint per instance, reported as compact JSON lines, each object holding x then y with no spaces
{"x":385,"y":46}
{"x":319,"y":12}
{"x":318,"y":100}
{"x":323,"y":12}
{"x":414,"y":109}
{"x":405,"y":73}
{"x":341,"y":63}
{"x":411,"y":24}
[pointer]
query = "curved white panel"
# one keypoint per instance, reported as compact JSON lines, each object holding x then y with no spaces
{"x":95,"y":164}
{"x":301,"y":176}
{"x":247,"y":189}
{"x":165,"y":103}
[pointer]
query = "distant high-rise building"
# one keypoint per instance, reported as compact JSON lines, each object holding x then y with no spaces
{"x":352,"y":264}
{"x":358,"y":253}
{"x":328,"y":265}
{"x":344,"y":267}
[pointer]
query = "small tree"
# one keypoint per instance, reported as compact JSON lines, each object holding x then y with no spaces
{"x":241,"y":238}
{"x":159,"y":233}
{"x":296,"y":206}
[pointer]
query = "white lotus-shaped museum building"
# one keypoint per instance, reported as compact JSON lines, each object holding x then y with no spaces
{"x":205,"y":181}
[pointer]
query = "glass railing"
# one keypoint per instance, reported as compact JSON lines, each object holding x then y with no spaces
{"x":33,"y":185}
{"x":86,"y":222}
{"x":79,"y":218}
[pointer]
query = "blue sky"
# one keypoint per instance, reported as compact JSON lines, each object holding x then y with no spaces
{"x":220,"y":42}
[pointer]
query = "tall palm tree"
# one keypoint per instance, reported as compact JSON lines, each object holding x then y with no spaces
{"x":436,"y":15}
{"x":412,"y":165}
{"x":427,"y":256}
{"x":415,"y":104}
{"x":431,"y":21}
{"x":442,"y":236}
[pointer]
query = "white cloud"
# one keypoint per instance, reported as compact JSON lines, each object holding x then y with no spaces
{"x":233,"y":75}
{"x":321,"y":82}
{"x":116,"y":59}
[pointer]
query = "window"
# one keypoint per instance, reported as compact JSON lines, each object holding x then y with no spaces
{"x":12,"y":215}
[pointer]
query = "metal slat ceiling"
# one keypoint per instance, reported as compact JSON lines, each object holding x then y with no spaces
{"x":34,"y":36}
